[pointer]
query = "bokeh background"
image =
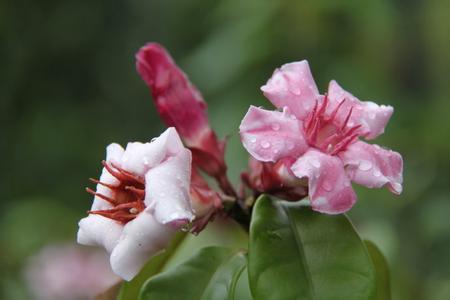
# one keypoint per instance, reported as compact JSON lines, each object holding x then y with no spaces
{"x":68,"y":87}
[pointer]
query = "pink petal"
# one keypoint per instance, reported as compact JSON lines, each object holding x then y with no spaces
{"x":96,"y":230}
{"x":142,"y":238}
{"x":167,"y":189}
{"x":204,"y":199}
{"x":330,"y":190}
{"x":371,"y":116}
{"x":292,"y":86}
{"x":373,"y":166}
{"x":271,"y":135}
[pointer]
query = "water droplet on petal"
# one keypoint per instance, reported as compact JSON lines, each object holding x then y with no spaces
{"x":276,"y":151}
{"x":376,"y":173}
{"x":265,"y":145}
{"x":372,"y":115}
{"x":253,"y":140}
{"x":314,"y":162}
{"x":290,"y":145}
{"x":327,"y":186}
{"x":365,"y":165}
{"x":275,"y":126}
{"x":295,"y":90}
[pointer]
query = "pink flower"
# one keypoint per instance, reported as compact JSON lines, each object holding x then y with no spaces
{"x":69,"y":272}
{"x":181,"y":105}
{"x":320,"y":134}
{"x":142,"y":197}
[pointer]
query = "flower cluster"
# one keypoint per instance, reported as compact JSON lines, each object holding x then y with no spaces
{"x":315,"y":139}
{"x":311,"y":146}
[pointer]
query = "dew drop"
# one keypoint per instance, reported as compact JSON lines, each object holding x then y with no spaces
{"x":376,"y":173}
{"x":289,"y":145}
{"x":372,"y":115}
{"x":314,"y":162}
{"x":365,"y":165}
{"x":265,"y":145}
{"x":295,"y":90}
{"x":275,"y":126}
{"x":327,"y":186}
{"x":276,"y":151}
{"x":253,"y":140}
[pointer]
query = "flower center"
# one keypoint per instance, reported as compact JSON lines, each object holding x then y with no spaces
{"x":324,"y":132}
{"x":127,"y":198}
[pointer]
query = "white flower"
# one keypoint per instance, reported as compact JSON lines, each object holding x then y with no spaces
{"x":142,"y":197}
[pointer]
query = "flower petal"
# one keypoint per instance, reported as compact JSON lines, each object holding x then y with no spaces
{"x":373,"y":166}
{"x":292,"y":86}
{"x":142,"y":238}
{"x":330,"y":190}
{"x":271,"y":135}
{"x":96,"y":230}
{"x":138,"y":157}
{"x":371,"y":116}
{"x":167,"y":189}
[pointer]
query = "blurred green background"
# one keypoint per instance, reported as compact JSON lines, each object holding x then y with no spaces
{"x":68,"y":88}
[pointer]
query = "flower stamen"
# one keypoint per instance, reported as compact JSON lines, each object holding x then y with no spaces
{"x":127,"y":197}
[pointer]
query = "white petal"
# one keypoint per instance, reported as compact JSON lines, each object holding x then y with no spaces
{"x":96,"y":230}
{"x":142,"y":238}
{"x":167,"y":189}
{"x":140,"y":157}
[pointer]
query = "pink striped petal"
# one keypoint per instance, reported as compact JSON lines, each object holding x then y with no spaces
{"x":373,"y":166}
{"x":371,"y":116}
{"x":271,"y":135}
{"x":330,"y":190}
{"x":293,"y":86}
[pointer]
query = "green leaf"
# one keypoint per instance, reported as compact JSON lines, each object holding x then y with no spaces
{"x":381,"y":271}
{"x":130,"y":290}
{"x":296,"y":253}
{"x":210,"y":274}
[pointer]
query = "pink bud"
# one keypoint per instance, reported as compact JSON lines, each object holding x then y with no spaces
{"x":181,"y":105}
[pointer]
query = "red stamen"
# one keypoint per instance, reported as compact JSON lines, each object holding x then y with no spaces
{"x":127,"y":197}
{"x":106,"y":198}
{"x":347,"y":118}
{"x":110,"y":186}
{"x":140,"y":193}
{"x":335,"y":111}
{"x":129,"y":175}
{"x":344,"y":143}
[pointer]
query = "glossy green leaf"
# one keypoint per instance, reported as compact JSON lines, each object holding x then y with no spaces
{"x":211,"y":274}
{"x":296,"y":253}
{"x":382,"y":271}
